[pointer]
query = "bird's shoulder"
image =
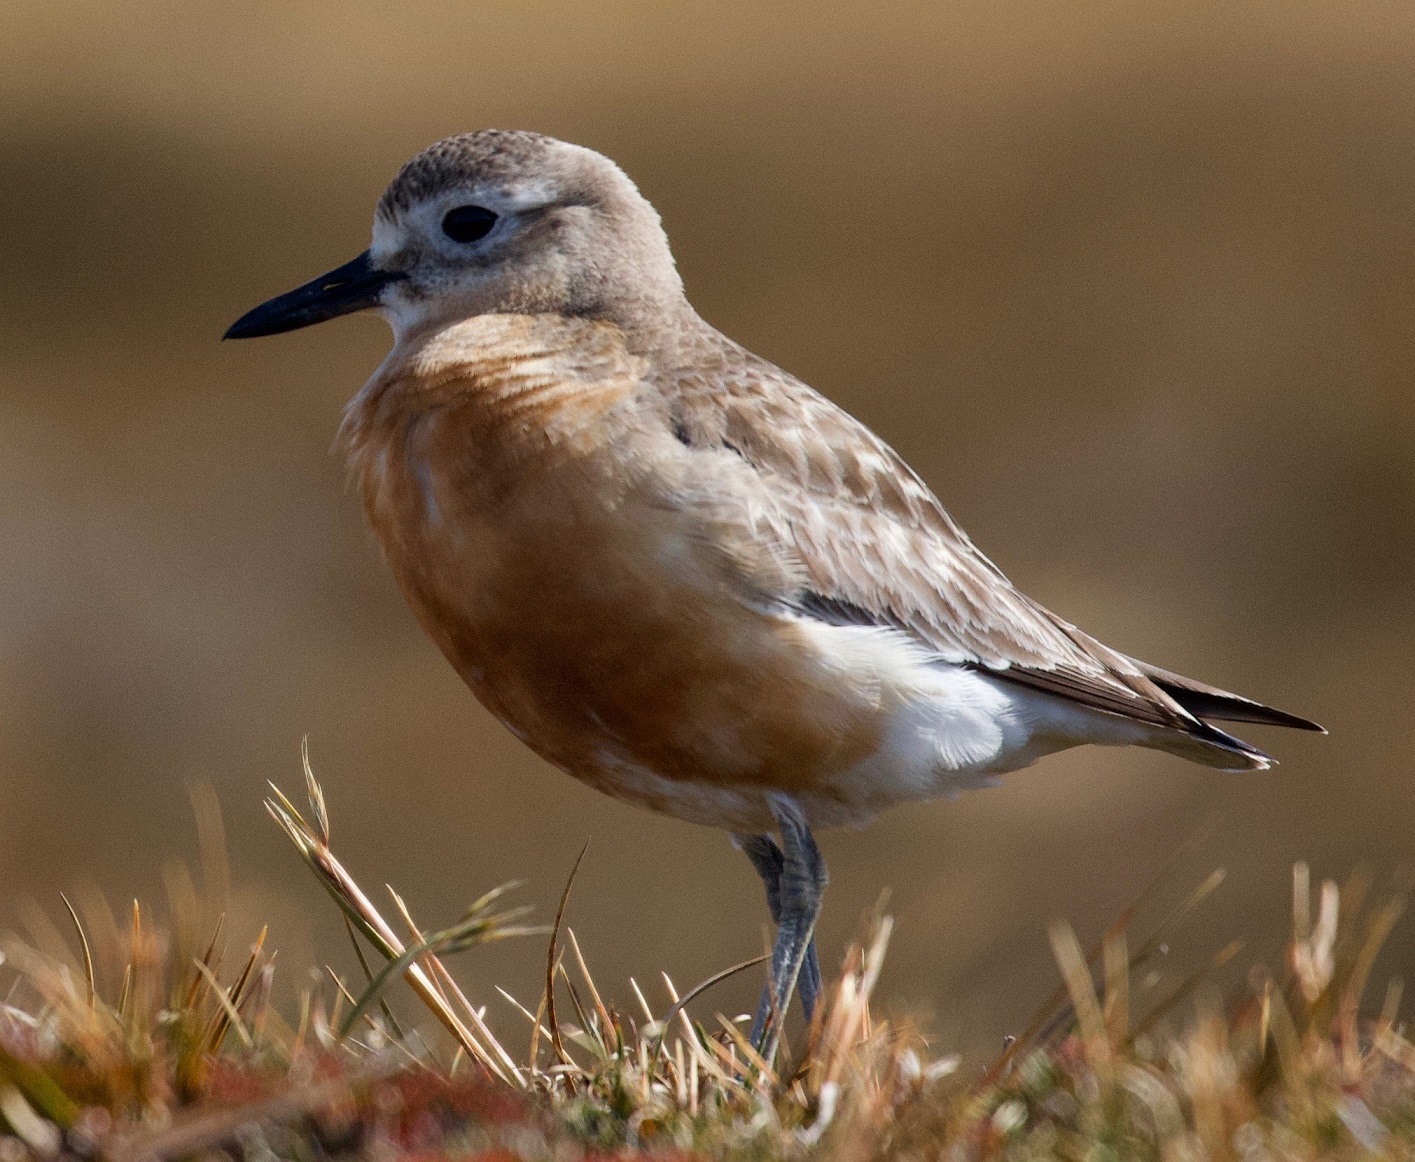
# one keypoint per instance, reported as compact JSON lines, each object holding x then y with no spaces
{"x":719,"y":395}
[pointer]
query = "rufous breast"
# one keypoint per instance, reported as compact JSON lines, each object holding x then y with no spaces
{"x":528,"y":494}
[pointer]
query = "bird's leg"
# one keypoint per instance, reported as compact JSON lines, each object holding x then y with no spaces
{"x":795,"y":878}
{"x":766,"y":856}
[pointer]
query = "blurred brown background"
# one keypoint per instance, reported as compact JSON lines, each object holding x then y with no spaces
{"x":1130,"y":284}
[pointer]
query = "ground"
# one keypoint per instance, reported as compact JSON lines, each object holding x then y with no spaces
{"x":174,"y":1062}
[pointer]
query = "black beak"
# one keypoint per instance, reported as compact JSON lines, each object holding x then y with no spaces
{"x":355,"y":286}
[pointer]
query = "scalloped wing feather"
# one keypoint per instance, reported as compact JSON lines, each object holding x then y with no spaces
{"x":868,"y":534}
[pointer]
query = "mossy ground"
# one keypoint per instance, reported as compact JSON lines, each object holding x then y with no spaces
{"x":133,"y":1044}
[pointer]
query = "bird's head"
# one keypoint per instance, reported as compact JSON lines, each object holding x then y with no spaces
{"x":496,"y":222}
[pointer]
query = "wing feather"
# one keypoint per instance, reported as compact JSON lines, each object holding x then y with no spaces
{"x":870,"y":541}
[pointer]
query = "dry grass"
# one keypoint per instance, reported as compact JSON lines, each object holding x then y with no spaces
{"x":129,"y":1041}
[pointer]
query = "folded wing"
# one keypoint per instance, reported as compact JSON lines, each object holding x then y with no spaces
{"x":873,"y":545}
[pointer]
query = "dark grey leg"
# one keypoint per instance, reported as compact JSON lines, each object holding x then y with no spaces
{"x":794,"y":875}
{"x":765,"y":854}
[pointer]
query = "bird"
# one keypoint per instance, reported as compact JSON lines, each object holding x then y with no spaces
{"x":671,"y":568}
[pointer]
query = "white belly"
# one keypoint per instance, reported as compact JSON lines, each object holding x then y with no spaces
{"x":948,"y":729}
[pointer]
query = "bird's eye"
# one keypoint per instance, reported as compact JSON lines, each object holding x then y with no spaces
{"x":468,"y":223}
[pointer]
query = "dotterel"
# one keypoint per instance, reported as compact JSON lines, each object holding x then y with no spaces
{"x":672,"y":569}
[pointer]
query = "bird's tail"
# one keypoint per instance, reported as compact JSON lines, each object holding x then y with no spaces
{"x":1210,"y":745}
